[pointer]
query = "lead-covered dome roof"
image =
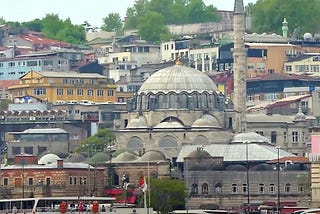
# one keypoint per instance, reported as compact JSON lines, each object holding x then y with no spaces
{"x":250,"y":137}
{"x":178,"y":78}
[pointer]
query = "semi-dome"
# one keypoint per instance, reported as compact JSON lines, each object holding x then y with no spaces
{"x":178,"y":78}
{"x":206,"y":120}
{"x":137,"y":122}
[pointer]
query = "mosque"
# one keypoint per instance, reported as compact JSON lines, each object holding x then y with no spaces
{"x":176,"y":106}
{"x":179,"y":113}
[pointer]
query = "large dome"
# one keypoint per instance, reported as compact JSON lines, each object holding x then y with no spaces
{"x":178,"y":78}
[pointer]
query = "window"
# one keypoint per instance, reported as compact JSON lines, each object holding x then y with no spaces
{"x":261,"y":188}
{"x":28,"y":150}
{"x":194,"y":189}
{"x":205,"y":188}
{"x":48,"y":63}
{"x":70,"y":92}
{"x":16,"y":150}
{"x":218,"y":188}
{"x":287,"y":188}
{"x":59,"y":91}
{"x":80,"y":92}
{"x":48,"y":181}
{"x":288,"y":68}
{"x":272,"y":188}
{"x":11,"y":64}
{"x":234,"y":188}
{"x":91,"y":81}
{"x":5,"y":182}
{"x":244,"y":188}
{"x":300,"y":188}
{"x":250,"y":66}
{"x":295,"y":137}
{"x":274,"y":137}
{"x":70,"y":180}
{"x":110,"y":93}
{"x":284,"y":136}
{"x":90,"y":92}
{"x":32,"y":63}
{"x":100,"y":93}
{"x":250,"y":98}
{"x":271,"y":96}
{"x":39,"y":91}
{"x":30,"y":181}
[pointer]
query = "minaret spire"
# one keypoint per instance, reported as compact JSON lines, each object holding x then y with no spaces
{"x":239,"y":67}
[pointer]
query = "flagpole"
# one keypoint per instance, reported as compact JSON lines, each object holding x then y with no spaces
{"x":149,"y":187}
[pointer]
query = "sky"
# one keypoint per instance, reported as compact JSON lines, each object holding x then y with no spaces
{"x":92,"y":11}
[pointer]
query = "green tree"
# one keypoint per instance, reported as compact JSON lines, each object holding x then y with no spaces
{"x":64,"y":30}
{"x":97,"y":143}
{"x":300,"y":14}
{"x":2,"y":21}
{"x":134,"y":13}
{"x":172,"y":11}
{"x":112,"y":22}
{"x":167,"y":194}
{"x":151,"y":28}
{"x":4,"y":104}
{"x":35,"y":25}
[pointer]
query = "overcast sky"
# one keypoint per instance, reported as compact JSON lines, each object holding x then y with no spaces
{"x":79,"y":10}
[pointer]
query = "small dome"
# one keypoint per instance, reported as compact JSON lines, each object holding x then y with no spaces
{"x":262,"y":167}
{"x":250,"y":137}
{"x":100,"y":157}
{"x":206,"y":120}
{"x":199,"y":153}
{"x":126,"y":156}
{"x":138,"y":122}
{"x":236,"y":167}
{"x":169,"y":125}
{"x":300,"y":116}
{"x":178,"y":78}
{"x":153,"y":155}
{"x":307,"y":36}
{"x":75,"y":158}
{"x":48,"y":158}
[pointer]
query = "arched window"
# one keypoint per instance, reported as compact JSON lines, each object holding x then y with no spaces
{"x":194,"y":189}
{"x":244,"y":188}
{"x":287,"y":188}
{"x":135,"y":143}
{"x":234,"y":188}
{"x":205,"y":188}
{"x":218,"y":188}
{"x":261,"y":188}
{"x":272,"y":188}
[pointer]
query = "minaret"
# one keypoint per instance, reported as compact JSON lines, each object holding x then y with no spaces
{"x":285,"y":28}
{"x":239,"y":67}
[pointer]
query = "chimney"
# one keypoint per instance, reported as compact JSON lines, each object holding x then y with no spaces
{"x":60,"y":163}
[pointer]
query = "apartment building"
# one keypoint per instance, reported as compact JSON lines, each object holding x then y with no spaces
{"x":65,"y":86}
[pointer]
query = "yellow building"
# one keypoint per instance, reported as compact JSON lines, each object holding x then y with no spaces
{"x":65,"y":86}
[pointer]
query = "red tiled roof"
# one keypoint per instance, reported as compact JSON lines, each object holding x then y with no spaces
{"x":294,"y":159}
{"x":8,"y":83}
{"x":37,"y":40}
